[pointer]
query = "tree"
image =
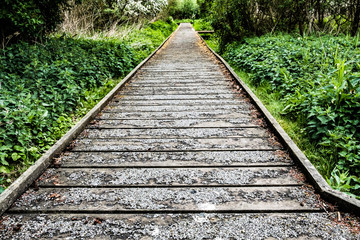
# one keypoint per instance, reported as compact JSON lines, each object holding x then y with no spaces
{"x":28,"y":19}
{"x":355,"y":7}
{"x":182,"y":9}
{"x":204,"y":7}
{"x":189,"y":8}
{"x":234,"y":19}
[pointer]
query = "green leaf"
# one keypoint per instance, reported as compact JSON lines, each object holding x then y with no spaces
{"x":19,"y":148}
{"x":15,"y":156}
{"x":323,"y":119}
{"x":4,"y":148}
{"x":4,"y":169}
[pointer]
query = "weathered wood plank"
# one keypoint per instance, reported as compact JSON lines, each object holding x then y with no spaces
{"x":166,"y":84}
{"x":120,"y":96}
{"x":175,"y":133}
{"x":185,"y":102}
{"x":178,"y":123}
{"x":173,"y":159}
{"x":84,"y":177}
{"x":175,"y":226}
{"x":179,"y":108}
{"x":173,"y":144}
{"x":186,"y":91}
{"x":174,"y":199}
{"x":209,"y":116}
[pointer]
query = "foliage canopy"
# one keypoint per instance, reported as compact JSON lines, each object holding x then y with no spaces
{"x":182,"y":9}
{"x":235,"y":19}
{"x":29,"y":19}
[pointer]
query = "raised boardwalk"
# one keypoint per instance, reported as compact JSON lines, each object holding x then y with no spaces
{"x":179,"y":153}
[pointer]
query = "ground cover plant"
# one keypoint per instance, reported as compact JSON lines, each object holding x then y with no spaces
{"x":44,"y":86}
{"x":236,"y":19}
{"x":316,"y":81}
{"x":198,"y":24}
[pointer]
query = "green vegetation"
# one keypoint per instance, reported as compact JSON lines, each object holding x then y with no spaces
{"x":299,"y":59}
{"x":236,"y":19}
{"x":313,"y":85}
{"x":198,"y":24}
{"x":43,"y":87}
{"x":182,"y":9}
{"x":33,"y":20}
{"x":29,"y":19}
{"x":92,"y":16}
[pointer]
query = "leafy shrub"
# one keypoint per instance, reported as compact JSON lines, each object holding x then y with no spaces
{"x":202,"y":24}
{"x":198,"y":24}
{"x":42,"y":85}
{"x":29,"y":19}
{"x":319,"y":80}
{"x":182,"y":9}
{"x":146,"y":40}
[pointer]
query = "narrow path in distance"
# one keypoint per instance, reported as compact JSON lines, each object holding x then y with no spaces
{"x":179,"y":153}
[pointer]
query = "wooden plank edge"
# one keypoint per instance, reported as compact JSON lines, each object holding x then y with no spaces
{"x":341,"y":199}
{"x":32,"y":173}
{"x":205,"y":31}
{"x":162,"y":211}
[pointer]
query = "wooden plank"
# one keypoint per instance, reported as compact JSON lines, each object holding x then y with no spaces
{"x":175,"y":226}
{"x":173,"y":159}
{"x":213,"y":116}
{"x":206,"y":31}
{"x":178,"y":123}
{"x":185,"y":102}
{"x":175,"y":133}
{"x":240,"y":199}
{"x":162,"y":84}
{"x":120,"y":96}
{"x":193,"y":91}
{"x":204,"y":89}
{"x":181,"y":79}
{"x":171,"y":144}
{"x":190,"y":177}
{"x":181,"y":108}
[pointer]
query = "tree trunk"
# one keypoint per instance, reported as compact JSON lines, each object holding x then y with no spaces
{"x":356,"y":19}
{"x":320,"y":14}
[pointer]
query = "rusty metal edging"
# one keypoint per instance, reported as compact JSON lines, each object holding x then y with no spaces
{"x":342,"y":200}
{"x":31,"y":174}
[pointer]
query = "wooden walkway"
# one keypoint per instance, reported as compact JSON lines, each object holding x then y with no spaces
{"x":179,"y":153}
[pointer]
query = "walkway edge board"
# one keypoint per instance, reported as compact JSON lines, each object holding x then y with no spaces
{"x":342,"y":200}
{"x":31,"y":174}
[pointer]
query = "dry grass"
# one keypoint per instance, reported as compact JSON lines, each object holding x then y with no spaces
{"x":81,"y":20}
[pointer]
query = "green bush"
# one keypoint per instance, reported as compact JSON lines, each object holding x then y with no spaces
{"x":42,"y":86}
{"x":41,"y":83}
{"x":202,"y":24}
{"x":29,"y":19}
{"x":146,"y":40}
{"x":319,"y":82}
{"x":183,"y":9}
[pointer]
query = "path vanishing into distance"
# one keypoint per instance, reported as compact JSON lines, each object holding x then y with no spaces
{"x":179,"y":153}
